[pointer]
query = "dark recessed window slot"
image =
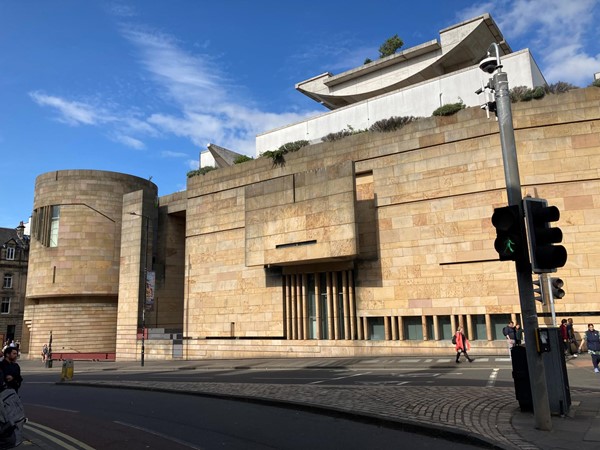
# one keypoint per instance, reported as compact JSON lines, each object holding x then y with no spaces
{"x":296,"y":244}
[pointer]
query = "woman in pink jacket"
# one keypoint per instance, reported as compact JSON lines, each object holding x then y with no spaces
{"x":462,"y":345}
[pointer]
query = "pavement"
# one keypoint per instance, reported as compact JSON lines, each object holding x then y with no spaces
{"x":486,"y":416}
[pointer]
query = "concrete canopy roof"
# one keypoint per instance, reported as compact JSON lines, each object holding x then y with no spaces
{"x":460,"y":46}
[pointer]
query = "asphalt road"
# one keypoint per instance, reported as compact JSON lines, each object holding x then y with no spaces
{"x":134,"y":420}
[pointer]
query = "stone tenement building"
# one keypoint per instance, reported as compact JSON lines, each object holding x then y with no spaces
{"x":337,"y":251}
{"x":14,"y":253}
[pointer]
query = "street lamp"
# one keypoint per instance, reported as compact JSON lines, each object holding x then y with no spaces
{"x":491,"y":64}
{"x":145,"y":281}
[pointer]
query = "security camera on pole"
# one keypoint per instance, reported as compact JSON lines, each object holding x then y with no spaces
{"x":535,"y":364}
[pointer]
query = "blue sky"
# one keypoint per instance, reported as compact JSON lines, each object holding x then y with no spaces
{"x":141,"y":87}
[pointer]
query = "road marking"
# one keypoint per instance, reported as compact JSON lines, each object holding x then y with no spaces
{"x":52,"y":407}
{"x":428,"y":360}
{"x":161,"y":435}
{"x":51,"y":433}
{"x":340,"y":378}
{"x":492,"y":379}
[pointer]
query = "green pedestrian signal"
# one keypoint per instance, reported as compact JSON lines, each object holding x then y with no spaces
{"x":510,"y":236}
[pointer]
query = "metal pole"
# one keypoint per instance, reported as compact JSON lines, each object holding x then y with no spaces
{"x":535,"y":363}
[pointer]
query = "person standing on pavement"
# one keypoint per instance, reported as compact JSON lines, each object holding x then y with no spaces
{"x":564,"y":335}
{"x":572,"y":339}
{"x":11,"y":369}
{"x":510,"y":333}
{"x":518,"y":334}
{"x":592,"y":338}
{"x":462,"y":345}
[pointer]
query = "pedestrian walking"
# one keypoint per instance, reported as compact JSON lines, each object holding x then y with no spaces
{"x":461,"y":345}
{"x":45,"y":353}
{"x":592,"y":339}
{"x":11,"y":369}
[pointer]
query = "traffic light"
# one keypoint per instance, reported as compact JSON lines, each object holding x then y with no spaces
{"x":556,"y":285}
{"x":510,"y":238}
{"x":545,"y":256}
{"x":538,"y":291}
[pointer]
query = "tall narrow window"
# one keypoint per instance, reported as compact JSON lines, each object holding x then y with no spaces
{"x":312,"y":306}
{"x":8,"y":281}
{"x":5,"y":305}
{"x":340,"y":302}
{"x":10,"y":253}
{"x":54,"y":226}
{"x":323,"y":306}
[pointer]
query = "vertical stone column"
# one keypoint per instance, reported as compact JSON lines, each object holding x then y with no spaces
{"x":488,"y":327}
{"x":318,"y":305}
{"x":131,"y":274}
{"x":336,"y":309}
{"x":436,"y":328}
{"x":354,"y":329}
{"x":424,"y":328}
{"x":330,"y":330}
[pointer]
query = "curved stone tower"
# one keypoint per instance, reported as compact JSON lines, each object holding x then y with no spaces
{"x":75,"y":258}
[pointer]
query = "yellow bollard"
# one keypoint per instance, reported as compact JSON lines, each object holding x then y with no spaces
{"x":67,"y":370}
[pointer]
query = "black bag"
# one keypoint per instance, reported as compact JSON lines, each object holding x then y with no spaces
{"x":454,"y":340}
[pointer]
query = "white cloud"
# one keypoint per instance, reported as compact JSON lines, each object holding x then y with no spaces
{"x":170,"y":154}
{"x":130,"y":142}
{"x":561,"y":35}
{"x":207,"y":106}
{"x":71,"y":112}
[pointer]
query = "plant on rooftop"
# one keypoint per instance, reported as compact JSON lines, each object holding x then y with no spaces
{"x":390,"y":46}
{"x":560,"y":87}
{"x":391,"y":124}
{"x":242,"y":159}
{"x":342,"y":134}
{"x":448,"y":109}
{"x":278,"y":155}
{"x":201,"y":171}
{"x":596,"y":83}
{"x":368,"y":60}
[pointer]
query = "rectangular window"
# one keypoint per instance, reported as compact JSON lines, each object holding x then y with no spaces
{"x":499,"y":321}
{"x":323,"y":305}
{"x":5,"y":305}
{"x":413,"y":328}
{"x":376,"y":328}
{"x":8,"y":281}
{"x":445,"y":327}
{"x":430,"y":328}
{"x":54,"y":226}
{"x":479,"y":327}
{"x":10,"y":253}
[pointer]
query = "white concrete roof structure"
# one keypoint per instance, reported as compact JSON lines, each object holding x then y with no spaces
{"x":460,"y":46}
{"x":413,"y":82}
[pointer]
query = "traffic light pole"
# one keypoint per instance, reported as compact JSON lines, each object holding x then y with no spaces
{"x":535,"y":363}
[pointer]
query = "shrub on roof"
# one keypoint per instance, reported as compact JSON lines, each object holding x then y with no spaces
{"x":448,"y":109}
{"x":242,"y":159}
{"x":560,"y":87}
{"x":201,"y":171}
{"x":596,"y":83}
{"x":278,"y":155}
{"x":342,"y":134}
{"x":391,"y":124}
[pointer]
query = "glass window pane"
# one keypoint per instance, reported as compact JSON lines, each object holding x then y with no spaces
{"x":376,"y":328}
{"x":413,"y":328}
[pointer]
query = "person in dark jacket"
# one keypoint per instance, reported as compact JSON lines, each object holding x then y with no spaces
{"x":592,"y":338}
{"x":11,"y":369}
